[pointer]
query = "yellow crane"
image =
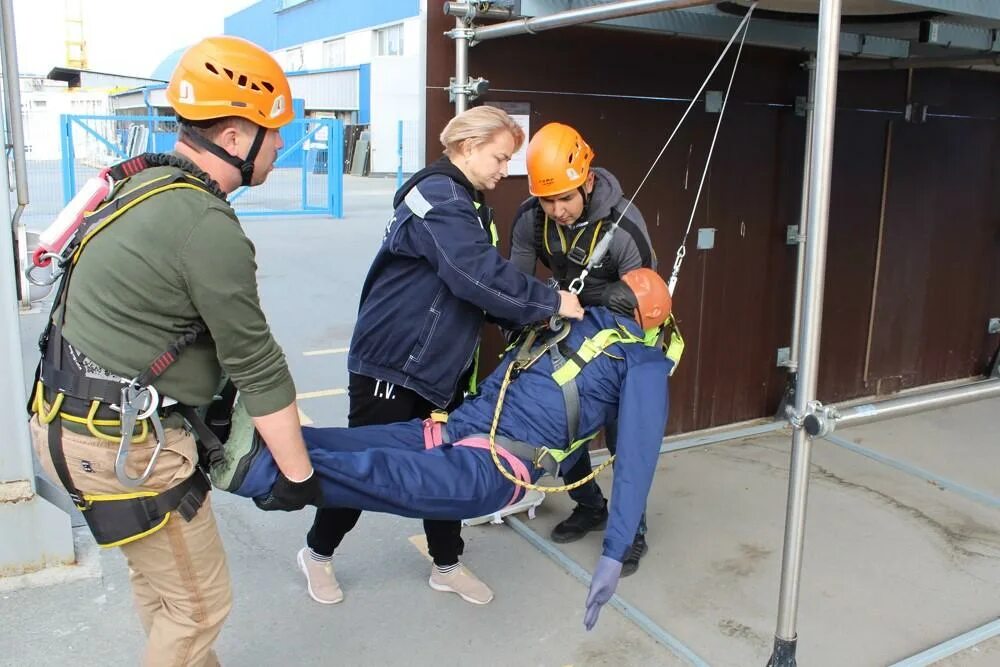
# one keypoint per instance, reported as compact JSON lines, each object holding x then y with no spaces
{"x":76,"y":45}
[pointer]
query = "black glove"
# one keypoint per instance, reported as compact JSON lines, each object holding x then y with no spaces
{"x":620,"y":298}
{"x":592,"y":295}
{"x":288,"y":496}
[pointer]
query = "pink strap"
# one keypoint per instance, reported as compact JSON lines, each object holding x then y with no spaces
{"x":432,"y":439}
{"x":432,"y":434}
{"x":516,"y":465}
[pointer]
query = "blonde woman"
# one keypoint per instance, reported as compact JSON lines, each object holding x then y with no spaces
{"x":435,"y":278}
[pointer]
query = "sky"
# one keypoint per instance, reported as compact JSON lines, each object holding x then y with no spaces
{"x":128,"y":37}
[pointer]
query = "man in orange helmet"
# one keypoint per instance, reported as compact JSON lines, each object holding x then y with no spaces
{"x":169,"y":299}
{"x":573,"y":205}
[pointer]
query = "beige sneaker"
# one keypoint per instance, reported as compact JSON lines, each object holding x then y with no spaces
{"x":320,"y":580}
{"x":461,"y":581}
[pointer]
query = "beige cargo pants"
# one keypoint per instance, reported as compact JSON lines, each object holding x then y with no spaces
{"x":180,"y":580}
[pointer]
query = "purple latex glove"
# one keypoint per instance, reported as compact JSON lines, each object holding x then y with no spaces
{"x":602,"y":587}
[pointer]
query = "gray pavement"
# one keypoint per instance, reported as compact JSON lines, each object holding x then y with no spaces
{"x":893,"y":564}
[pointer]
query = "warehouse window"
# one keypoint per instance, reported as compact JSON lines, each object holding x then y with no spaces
{"x":293,"y":59}
{"x":390,"y":40}
{"x":333,"y":53}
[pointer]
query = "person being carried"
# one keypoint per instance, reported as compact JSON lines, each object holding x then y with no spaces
{"x":555,"y":388}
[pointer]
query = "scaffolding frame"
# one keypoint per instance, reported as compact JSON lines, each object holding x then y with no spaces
{"x":808,"y":417}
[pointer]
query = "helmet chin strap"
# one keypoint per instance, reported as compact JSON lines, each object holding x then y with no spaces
{"x":244,"y":165}
{"x":585,"y":213}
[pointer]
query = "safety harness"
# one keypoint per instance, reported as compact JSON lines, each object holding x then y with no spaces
{"x":533,"y":344}
{"x":567,"y":366}
{"x":62,"y":392}
{"x":570,"y":257}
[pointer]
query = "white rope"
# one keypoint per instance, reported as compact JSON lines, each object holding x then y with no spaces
{"x":682,"y":250}
{"x":598,"y":255}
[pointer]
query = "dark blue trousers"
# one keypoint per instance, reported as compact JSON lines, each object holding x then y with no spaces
{"x":386,"y":469}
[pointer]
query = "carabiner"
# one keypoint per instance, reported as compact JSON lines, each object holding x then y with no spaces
{"x":137,"y":403}
{"x":56,"y":272}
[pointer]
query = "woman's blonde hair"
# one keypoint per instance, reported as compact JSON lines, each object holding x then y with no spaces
{"x":479,"y":125}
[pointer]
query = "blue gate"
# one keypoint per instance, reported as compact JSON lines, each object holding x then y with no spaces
{"x":307,"y":178}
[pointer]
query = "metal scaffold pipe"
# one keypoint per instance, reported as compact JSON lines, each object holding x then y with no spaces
{"x":611,"y":10}
{"x":461,"y":67}
{"x":821,"y":166}
{"x":15,"y":137}
{"x":471,"y":10}
{"x":12,"y":90}
{"x":909,"y":405}
{"x":800,"y":268}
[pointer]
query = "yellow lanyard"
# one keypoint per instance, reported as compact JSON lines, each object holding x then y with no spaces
{"x":576,"y":239}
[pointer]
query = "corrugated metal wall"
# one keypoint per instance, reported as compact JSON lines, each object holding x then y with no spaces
{"x":939,"y":273}
{"x":327,"y":90}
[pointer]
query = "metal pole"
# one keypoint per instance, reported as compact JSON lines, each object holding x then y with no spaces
{"x":12,"y":86}
{"x":12,"y":94}
{"x":461,"y":66}
{"x":469,"y":10}
{"x":630,"y":612}
{"x":908,"y":405}
{"x":952,"y":646}
{"x":800,"y":271}
{"x":828,"y":43}
{"x":611,"y":10}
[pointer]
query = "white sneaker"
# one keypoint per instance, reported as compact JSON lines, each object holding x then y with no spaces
{"x":461,"y":581}
{"x":320,"y":580}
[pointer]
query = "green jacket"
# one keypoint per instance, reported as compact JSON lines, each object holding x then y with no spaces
{"x":179,"y":256}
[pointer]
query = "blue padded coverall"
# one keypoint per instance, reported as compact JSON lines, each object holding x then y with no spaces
{"x":387,"y":469}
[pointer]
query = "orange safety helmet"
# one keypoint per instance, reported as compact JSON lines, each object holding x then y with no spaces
{"x":228,"y":76}
{"x":653,"y":296}
{"x":558,"y":160}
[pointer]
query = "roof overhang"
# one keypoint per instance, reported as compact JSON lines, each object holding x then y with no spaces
{"x":935,"y":33}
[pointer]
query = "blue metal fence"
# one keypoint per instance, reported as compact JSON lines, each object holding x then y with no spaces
{"x":307,"y":178}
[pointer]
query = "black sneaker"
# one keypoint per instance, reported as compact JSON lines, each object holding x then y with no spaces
{"x":638,"y":550}
{"x":580,"y":522}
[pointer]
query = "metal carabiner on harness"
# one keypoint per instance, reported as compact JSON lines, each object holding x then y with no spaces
{"x":556,"y":322}
{"x":137,"y":403}
{"x":596,"y":257}
{"x":55,"y":275}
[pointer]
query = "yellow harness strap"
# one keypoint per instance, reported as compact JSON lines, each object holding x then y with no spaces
{"x":589,"y":349}
{"x":114,"y":216}
{"x":576,"y":239}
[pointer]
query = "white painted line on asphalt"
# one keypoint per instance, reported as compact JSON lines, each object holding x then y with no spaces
{"x":304,"y":419}
{"x":420,"y":544}
{"x":332,"y":350}
{"x":320,"y":394}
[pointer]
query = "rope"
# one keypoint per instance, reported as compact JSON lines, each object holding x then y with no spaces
{"x":682,"y":250}
{"x":596,"y":257}
{"x":577,"y":286}
{"x":503,"y":471}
